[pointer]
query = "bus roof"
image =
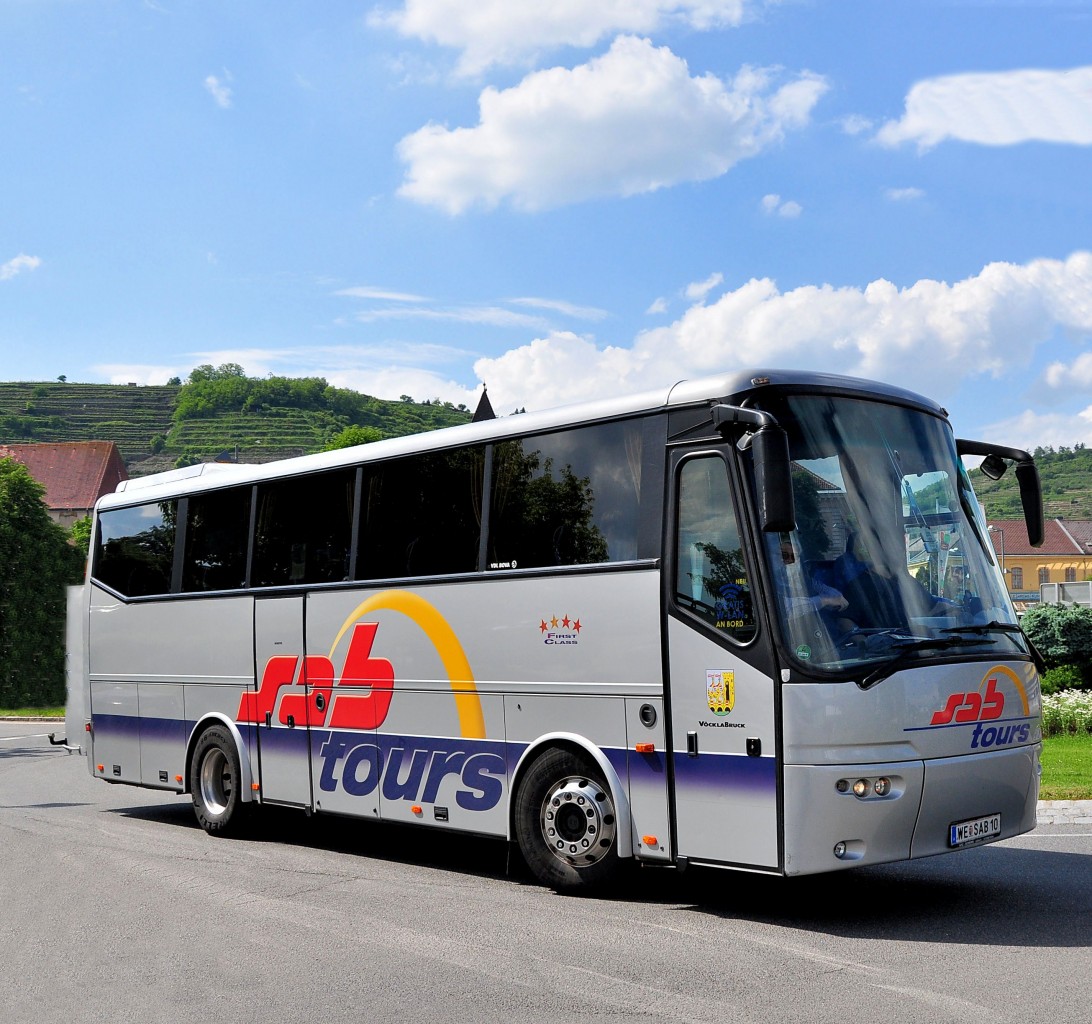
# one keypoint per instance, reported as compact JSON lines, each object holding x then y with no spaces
{"x":723,"y":387}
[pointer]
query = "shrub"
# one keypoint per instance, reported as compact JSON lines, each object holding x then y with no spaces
{"x":1067,"y":713}
{"x":1064,"y":677}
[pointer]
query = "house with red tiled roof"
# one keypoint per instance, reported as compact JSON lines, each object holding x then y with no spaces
{"x":1065,"y":556}
{"x":74,"y":473}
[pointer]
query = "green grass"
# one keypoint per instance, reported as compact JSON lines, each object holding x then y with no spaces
{"x":1067,"y":760}
{"x":1067,"y":768}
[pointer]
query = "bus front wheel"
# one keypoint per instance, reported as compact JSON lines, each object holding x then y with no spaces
{"x":215,"y":774}
{"x":565,"y":823}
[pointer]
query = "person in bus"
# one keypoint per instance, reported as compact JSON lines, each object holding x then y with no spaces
{"x":878,"y":596}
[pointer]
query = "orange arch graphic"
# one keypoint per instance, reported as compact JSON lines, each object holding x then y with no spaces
{"x":459,"y":674}
{"x":1012,"y":678}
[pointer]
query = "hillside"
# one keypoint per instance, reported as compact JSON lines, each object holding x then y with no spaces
{"x":1066,"y":476}
{"x":153,"y":434}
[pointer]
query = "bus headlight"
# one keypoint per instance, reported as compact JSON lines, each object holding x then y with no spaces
{"x":881,"y":787}
{"x":861,"y":788}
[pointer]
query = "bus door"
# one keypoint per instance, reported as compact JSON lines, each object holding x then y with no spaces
{"x":720,"y":687}
{"x":281,"y":707}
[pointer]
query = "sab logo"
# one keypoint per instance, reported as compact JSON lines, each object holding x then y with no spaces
{"x":972,"y":707}
{"x":330,"y":699}
{"x":978,"y":707}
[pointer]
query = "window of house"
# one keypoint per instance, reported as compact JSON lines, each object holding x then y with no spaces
{"x":1017,"y":578}
{"x":1044,"y":575}
{"x":1070,"y":575}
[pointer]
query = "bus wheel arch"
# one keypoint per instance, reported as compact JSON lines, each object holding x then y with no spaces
{"x":218,"y":777}
{"x":570,"y":816}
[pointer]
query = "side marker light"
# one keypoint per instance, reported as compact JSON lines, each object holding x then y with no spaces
{"x":645,"y":748}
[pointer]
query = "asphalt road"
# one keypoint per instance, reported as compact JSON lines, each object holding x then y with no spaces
{"x":115,"y":906}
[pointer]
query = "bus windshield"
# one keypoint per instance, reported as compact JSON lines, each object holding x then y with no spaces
{"x":890,"y":560}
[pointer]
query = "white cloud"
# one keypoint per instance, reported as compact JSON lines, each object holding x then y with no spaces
{"x":487,"y":316}
{"x":1030,"y":430}
{"x":699,"y":289}
{"x":855,"y":124}
{"x":772,"y":204}
{"x":631,"y":121}
{"x":997,"y":109}
{"x":18,"y":264}
{"x":563,"y":307}
{"x":904,"y":195}
{"x":219,"y":89}
{"x":140,"y":373}
{"x":489,"y":32}
{"x":931,"y":336}
{"x":658,"y":306}
{"x":383,"y":294}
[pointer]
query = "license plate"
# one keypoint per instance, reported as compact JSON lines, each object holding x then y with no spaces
{"x":974,"y":830}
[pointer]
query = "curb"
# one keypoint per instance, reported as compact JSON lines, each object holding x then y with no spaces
{"x":1064,"y":812}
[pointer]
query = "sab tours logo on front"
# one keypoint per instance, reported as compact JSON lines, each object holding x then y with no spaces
{"x":985,"y":708}
{"x":560,"y":632}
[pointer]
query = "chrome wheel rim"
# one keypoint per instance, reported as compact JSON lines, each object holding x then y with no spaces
{"x":578,"y":821}
{"x":216,"y":783}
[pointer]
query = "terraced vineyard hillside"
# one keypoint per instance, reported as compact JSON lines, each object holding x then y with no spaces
{"x":141,"y":420}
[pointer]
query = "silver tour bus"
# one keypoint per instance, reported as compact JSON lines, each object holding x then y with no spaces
{"x":753,"y":621}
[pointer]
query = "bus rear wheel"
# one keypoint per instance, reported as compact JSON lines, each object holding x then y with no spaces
{"x":215,"y":779}
{"x":566,"y":824}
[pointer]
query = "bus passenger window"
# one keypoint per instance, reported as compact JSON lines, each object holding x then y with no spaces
{"x":304,"y":530}
{"x":217,"y":529}
{"x":135,"y":550}
{"x":711,"y":577}
{"x":421,"y":516}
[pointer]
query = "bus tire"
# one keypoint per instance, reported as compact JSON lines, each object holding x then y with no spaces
{"x":215,"y":774}
{"x":565,"y":823}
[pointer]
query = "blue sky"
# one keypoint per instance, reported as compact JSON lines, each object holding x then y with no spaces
{"x":563,"y":201}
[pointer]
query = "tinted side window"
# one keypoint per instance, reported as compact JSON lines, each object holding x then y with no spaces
{"x":710,"y":574}
{"x":570,"y":498}
{"x":135,"y":553}
{"x":303,"y":532}
{"x":217,"y":528}
{"x":421,"y":516}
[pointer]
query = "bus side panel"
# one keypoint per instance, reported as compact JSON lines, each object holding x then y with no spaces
{"x":155,"y":668}
{"x":115,"y":716}
{"x":648,"y":779}
{"x":446,"y":674}
{"x":162,"y":734}
{"x":77,"y":708}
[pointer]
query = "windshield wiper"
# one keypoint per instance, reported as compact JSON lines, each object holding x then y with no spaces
{"x":908,"y":645}
{"x":986,"y":627}
{"x":1003,"y":627}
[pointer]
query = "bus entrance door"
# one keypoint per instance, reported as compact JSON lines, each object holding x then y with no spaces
{"x":723,"y":746}
{"x":283,"y":750}
{"x":722,"y":706}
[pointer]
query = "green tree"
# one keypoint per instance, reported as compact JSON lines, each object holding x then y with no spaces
{"x":36,"y":564}
{"x":351,"y":436}
{"x":79,"y":535}
{"x":1062,"y":633}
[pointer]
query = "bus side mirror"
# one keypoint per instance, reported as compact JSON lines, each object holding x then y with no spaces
{"x":773,"y":479}
{"x":1031,"y":498}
